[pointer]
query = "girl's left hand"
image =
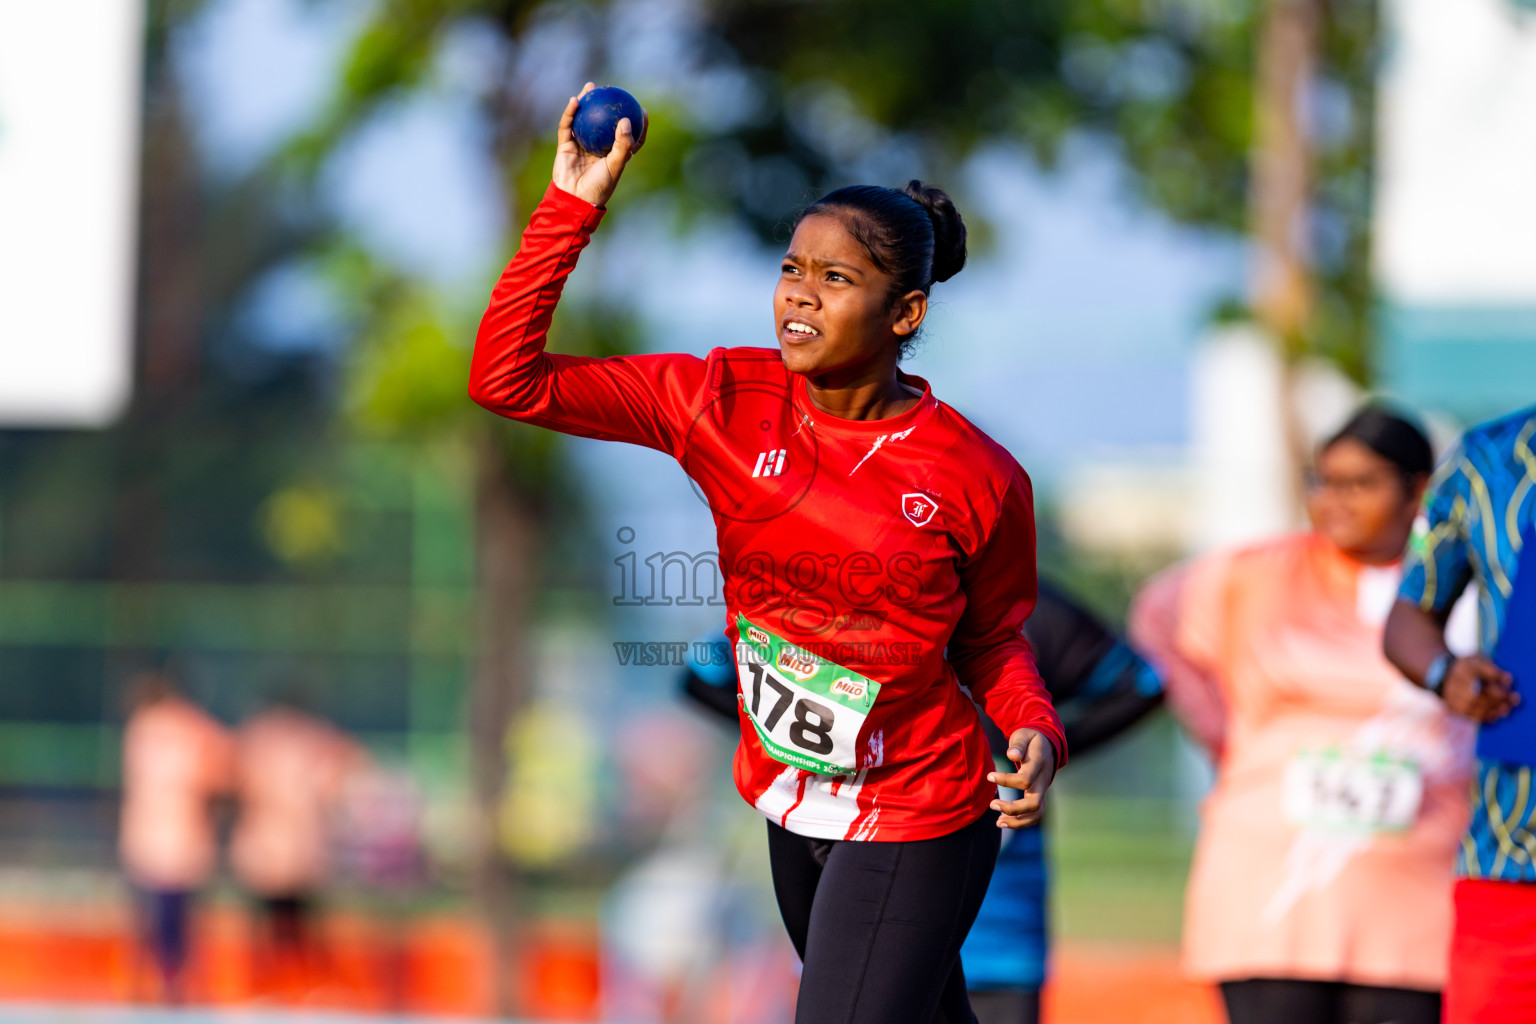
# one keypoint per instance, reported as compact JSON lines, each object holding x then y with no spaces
{"x":1036,"y":760}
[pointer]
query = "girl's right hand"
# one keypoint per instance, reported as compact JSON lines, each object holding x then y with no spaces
{"x":584,"y":174}
{"x":1036,"y":760}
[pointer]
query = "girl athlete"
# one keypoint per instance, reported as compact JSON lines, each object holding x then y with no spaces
{"x":1321,"y":883}
{"x":878,"y":555}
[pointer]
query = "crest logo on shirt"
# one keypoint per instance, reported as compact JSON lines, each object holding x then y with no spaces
{"x":918,"y":508}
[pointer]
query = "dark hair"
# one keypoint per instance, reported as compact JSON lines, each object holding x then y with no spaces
{"x":1392,"y":436}
{"x":914,"y":234}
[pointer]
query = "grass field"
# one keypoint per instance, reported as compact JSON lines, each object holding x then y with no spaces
{"x":1118,"y":871}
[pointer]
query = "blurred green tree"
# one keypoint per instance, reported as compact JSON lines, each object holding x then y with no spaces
{"x":764,"y":104}
{"x":1230,"y":113}
{"x":203,"y":240}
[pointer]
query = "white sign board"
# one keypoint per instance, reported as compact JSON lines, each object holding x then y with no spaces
{"x":1456,"y":198}
{"x":69,"y":129}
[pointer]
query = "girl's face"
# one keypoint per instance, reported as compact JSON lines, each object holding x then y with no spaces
{"x":833,"y":307}
{"x":1361,"y":502}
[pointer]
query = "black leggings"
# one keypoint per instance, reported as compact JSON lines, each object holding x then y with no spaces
{"x":878,"y":926}
{"x":1287,"y":1000}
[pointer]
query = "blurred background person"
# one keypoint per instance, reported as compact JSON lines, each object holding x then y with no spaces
{"x":673,"y":924}
{"x":1480,"y":524}
{"x":292,"y":768}
{"x":1100,"y":687}
{"x":176,"y":761}
{"x":1321,"y":883}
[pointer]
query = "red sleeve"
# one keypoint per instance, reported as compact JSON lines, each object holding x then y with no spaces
{"x":988,"y":649}
{"x":640,"y":399}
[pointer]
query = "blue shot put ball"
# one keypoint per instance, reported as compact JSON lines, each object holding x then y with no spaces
{"x":598,"y":114}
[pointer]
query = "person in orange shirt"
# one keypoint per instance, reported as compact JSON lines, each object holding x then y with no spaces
{"x":176,"y":761}
{"x":291,"y":770}
{"x":1321,"y":884}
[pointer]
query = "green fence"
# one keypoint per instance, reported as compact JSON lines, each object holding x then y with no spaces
{"x":248,"y":563}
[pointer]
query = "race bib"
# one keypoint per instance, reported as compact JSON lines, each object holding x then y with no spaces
{"x":808,"y":711}
{"x":1333,"y":790}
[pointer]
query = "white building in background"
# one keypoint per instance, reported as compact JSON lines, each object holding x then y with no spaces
{"x":1238,"y":447}
{"x":69,"y":161}
{"x":1233,"y":483}
{"x":1455,"y":233}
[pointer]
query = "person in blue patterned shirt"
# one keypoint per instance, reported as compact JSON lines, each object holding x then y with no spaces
{"x":1479,"y":513}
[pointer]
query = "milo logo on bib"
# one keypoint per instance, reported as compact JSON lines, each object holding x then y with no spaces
{"x":854,"y":689}
{"x":797,"y":663}
{"x":808,"y":711}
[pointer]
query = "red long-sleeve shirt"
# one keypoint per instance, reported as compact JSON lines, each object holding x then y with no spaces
{"x":896,"y":555}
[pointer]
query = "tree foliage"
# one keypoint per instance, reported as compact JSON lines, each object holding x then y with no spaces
{"x":1169,"y":82}
{"x":759,"y":105}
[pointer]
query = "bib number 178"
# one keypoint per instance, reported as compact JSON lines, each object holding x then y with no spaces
{"x":811,"y":729}
{"x":807,"y":711}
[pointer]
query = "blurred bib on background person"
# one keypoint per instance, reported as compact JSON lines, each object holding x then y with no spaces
{"x":1512,"y":739}
{"x":1336,"y":790}
{"x":808,"y":711}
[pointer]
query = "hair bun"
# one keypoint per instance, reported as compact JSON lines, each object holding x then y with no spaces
{"x":948,"y":228}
